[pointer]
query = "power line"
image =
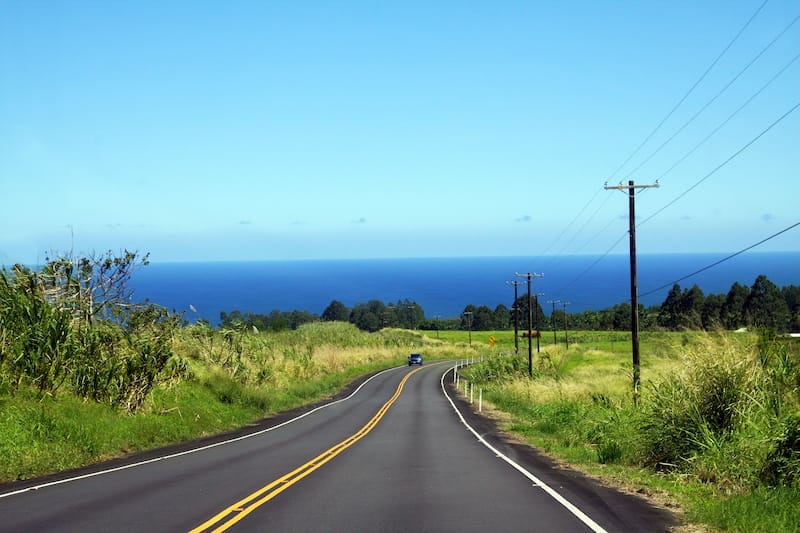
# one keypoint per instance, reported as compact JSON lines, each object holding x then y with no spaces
{"x":687,"y":191}
{"x":721,"y":260}
{"x":719,"y":93}
{"x":580,"y":230}
{"x":594,"y":263}
{"x":728,"y":160}
{"x":736,"y":112}
{"x":718,"y":167}
{"x":656,"y":129}
{"x":596,"y":235}
{"x":572,"y":222}
{"x":691,"y":89}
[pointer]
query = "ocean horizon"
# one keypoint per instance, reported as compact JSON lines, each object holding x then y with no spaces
{"x":444,"y":286}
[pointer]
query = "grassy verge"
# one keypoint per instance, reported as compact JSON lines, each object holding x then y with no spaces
{"x":715,"y":430}
{"x":231,"y":379}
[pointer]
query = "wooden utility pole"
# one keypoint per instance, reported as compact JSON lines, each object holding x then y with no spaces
{"x":529,"y":275}
{"x":553,"y":319}
{"x":631,"y":187}
{"x":468,"y":314}
{"x":566,"y":326}
{"x":515,"y":308}
{"x":538,"y":314}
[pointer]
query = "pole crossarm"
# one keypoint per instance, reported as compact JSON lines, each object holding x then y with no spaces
{"x":529,"y":276}
{"x":631,"y":186}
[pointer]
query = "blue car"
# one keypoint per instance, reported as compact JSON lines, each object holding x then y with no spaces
{"x":415,"y":359}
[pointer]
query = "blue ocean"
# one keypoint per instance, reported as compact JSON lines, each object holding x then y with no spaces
{"x":444,"y":286}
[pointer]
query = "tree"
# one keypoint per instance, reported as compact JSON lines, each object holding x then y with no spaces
{"x":622,"y":317}
{"x":648,"y":317}
{"x":587,"y":320}
{"x":691,"y":308}
{"x":336,"y":312}
{"x":791,"y":293}
{"x":670,"y":313}
{"x":368,"y":316}
{"x":92,"y":286}
{"x":501,"y":317}
{"x":539,"y":320}
{"x":409,"y":314}
{"x":712,"y":311}
{"x":765,"y":306}
{"x":732,"y":312}
{"x":482,"y":319}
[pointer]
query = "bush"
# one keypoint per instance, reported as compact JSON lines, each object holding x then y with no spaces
{"x":36,"y":341}
{"x":688,"y":412}
{"x":782,"y":465}
{"x":44,"y":343}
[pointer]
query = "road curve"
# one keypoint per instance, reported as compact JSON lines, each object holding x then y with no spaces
{"x":393,"y":456}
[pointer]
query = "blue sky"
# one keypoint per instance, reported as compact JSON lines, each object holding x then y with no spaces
{"x":296,"y":130}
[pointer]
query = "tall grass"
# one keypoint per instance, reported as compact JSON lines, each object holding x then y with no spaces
{"x":47,"y":347}
{"x":220,"y":380}
{"x":716,"y":411}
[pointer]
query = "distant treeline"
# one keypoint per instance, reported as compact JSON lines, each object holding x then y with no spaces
{"x":763,"y":305}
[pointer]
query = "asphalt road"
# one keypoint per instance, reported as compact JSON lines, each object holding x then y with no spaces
{"x":395,"y":455}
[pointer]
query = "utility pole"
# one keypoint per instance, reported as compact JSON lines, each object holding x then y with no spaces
{"x":631,"y":187}
{"x":529,"y":275}
{"x":536,"y":310}
{"x":515,"y":309}
{"x":468,"y":314}
{"x":553,"y":319}
{"x":566,"y":328}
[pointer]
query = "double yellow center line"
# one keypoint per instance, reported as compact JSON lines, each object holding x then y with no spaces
{"x":245,"y":506}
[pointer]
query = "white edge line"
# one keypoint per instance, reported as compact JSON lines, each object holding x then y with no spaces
{"x":193,"y":450}
{"x":580,"y":515}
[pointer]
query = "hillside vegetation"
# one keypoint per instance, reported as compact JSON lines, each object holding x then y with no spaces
{"x":85,"y":375}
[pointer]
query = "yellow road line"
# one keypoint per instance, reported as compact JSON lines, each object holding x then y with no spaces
{"x":247,"y":505}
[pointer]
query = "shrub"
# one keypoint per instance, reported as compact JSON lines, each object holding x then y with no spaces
{"x":687,"y":412}
{"x":782,"y":465}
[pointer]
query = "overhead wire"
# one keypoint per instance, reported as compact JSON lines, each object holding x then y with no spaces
{"x":719,"y":93}
{"x":736,"y":112}
{"x":655,"y":130}
{"x":712,"y":265}
{"x":694,"y":149}
{"x":586,"y":223}
{"x":566,"y":228}
{"x":592,"y":265}
{"x":721,"y":165}
{"x":701,"y":180}
{"x":691,"y":89}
